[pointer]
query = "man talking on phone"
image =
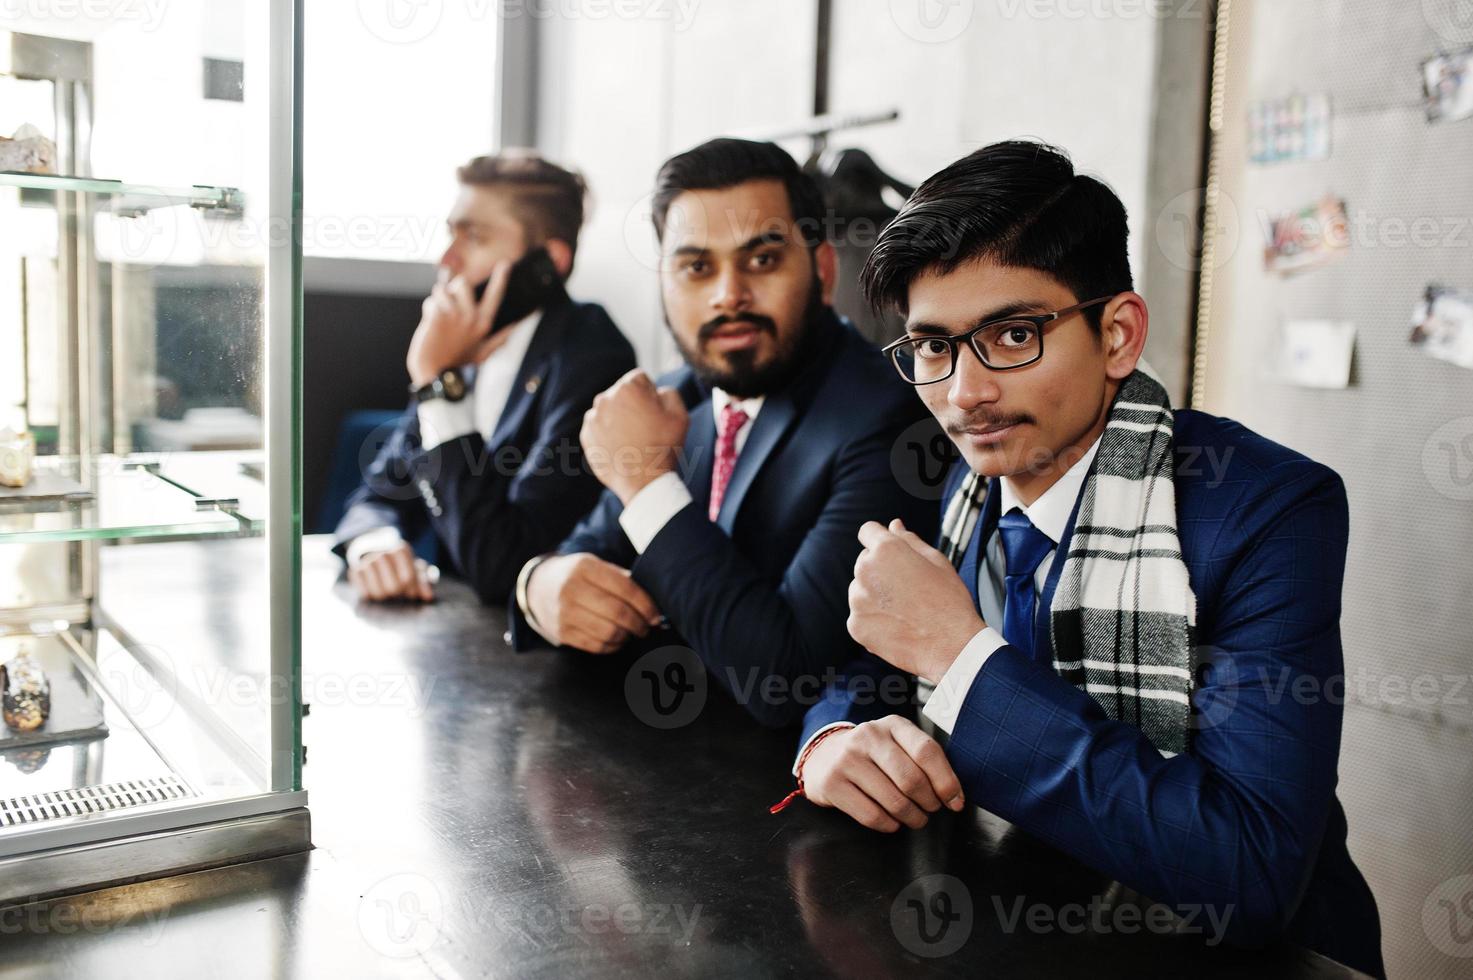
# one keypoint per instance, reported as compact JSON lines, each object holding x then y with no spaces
{"x":501,"y":369}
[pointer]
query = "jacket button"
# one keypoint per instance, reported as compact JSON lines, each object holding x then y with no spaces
{"x":533,"y":383}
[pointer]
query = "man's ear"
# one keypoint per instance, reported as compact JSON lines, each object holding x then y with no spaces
{"x":826,"y":260}
{"x":561,"y":254}
{"x":1124,"y":323}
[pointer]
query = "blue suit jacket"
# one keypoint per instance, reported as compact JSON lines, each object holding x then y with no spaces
{"x":763,"y":592}
{"x":496,"y":504}
{"x":1248,"y":818}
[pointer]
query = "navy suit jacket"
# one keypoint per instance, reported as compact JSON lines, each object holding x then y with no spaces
{"x":1246,"y":820}
{"x":763,"y":592}
{"x":496,"y":504}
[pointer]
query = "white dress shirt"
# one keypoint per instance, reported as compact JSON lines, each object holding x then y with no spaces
{"x":441,"y":421}
{"x":665,"y":496}
{"x":1049,"y":514}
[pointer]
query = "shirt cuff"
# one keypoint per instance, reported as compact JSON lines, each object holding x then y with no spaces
{"x":525,"y":575}
{"x":804,"y":747}
{"x":651,"y":509}
{"x":945,"y":703}
{"x":441,"y":421}
{"x":384,"y":538}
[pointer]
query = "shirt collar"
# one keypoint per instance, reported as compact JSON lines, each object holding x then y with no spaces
{"x":1050,"y":512}
{"x":518,"y":339}
{"x":720,"y":399}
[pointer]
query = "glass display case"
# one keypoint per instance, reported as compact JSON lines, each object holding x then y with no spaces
{"x":150,"y":338}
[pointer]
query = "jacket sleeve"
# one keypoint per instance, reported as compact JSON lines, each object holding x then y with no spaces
{"x":1236,"y":822}
{"x":387,"y":497}
{"x":747,"y":630}
{"x":496,"y":510}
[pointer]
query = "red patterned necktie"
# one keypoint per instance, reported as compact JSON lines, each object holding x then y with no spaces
{"x":732,"y":420}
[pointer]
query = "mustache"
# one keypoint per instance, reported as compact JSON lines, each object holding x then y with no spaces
{"x":979,"y":420}
{"x":709,"y":328}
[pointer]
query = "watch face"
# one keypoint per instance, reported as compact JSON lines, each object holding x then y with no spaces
{"x":454,"y":385}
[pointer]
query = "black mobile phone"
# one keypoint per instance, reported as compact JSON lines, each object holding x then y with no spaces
{"x":533,"y":281}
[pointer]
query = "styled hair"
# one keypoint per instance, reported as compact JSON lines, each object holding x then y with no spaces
{"x":546,"y":199}
{"x":1017,"y":203}
{"x":725,"y":162}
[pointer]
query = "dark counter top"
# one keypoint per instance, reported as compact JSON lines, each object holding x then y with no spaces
{"x":478,"y":812}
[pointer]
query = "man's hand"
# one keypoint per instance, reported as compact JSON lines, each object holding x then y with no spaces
{"x":632,"y":433}
{"x":585,"y":602}
{"x":883,"y":773}
{"x":379,"y":576}
{"x":454,"y":330}
{"x":907,"y":605}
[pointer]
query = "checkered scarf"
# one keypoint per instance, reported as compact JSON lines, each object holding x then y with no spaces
{"x":1123,"y":614}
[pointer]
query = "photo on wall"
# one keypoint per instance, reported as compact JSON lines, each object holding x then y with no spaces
{"x":1447,"y":83}
{"x":1442,"y":325}
{"x":1305,"y":239}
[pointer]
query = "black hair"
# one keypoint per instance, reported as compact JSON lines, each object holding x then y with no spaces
{"x":725,"y":162}
{"x":1017,"y":203}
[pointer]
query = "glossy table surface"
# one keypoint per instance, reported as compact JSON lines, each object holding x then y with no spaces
{"x":482,"y":813}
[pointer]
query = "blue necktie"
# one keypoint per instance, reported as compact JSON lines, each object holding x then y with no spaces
{"x":1024,"y":547}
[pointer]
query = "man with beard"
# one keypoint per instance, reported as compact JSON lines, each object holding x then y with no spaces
{"x":737,"y":484}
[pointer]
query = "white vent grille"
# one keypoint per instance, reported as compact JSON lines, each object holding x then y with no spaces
{"x":40,"y":807}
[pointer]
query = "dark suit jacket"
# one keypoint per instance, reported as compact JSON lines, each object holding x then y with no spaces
{"x":496,"y":504}
{"x":1248,"y":819}
{"x":763,"y":592}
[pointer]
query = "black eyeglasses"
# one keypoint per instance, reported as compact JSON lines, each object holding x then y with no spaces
{"x":1011,"y":342}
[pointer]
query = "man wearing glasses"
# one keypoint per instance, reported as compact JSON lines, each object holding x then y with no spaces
{"x":736,"y":485}
{"x":1123,"y":598}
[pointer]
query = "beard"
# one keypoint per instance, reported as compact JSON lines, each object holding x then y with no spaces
{"x":739,"y":374}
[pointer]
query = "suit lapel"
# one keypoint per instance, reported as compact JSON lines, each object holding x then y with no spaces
{"x":777,"y":415}
{"x":530,"y":375}
{"x":700,"y":442}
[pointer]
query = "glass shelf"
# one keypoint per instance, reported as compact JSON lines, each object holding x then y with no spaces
{"x":143,"y":495}
{"x":124,"y":198}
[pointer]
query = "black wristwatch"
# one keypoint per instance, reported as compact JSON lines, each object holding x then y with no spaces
{"x":448,"y":384}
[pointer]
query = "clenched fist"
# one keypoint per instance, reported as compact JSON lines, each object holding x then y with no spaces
{"x":633,"y":433}
{"x":883,"y":773}
{"x":585,"y":602}
{"x":907,"y":604}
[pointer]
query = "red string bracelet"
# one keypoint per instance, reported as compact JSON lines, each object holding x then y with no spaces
{"x":782,"y":804}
